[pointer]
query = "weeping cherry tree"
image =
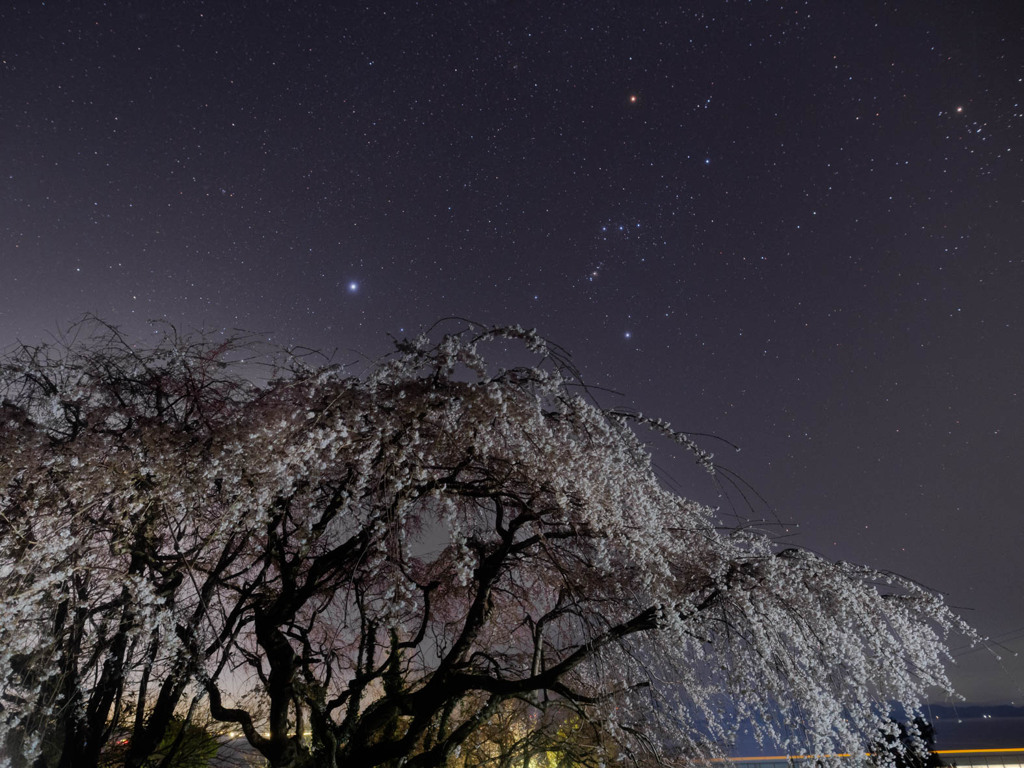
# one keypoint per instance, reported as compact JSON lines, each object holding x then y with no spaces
{"x":435,"y":562}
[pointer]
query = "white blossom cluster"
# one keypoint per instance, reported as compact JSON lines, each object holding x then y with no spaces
{"x":400,"y":561}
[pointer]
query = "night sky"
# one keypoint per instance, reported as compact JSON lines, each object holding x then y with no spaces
{"x":795,"y":225}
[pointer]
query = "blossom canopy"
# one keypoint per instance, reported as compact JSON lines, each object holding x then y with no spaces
{"x":374,"y":568}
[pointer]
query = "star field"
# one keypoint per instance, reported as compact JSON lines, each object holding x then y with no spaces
{"x":795,"y":225}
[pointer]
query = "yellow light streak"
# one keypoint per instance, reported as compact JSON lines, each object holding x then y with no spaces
{"x":777,"y":758}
